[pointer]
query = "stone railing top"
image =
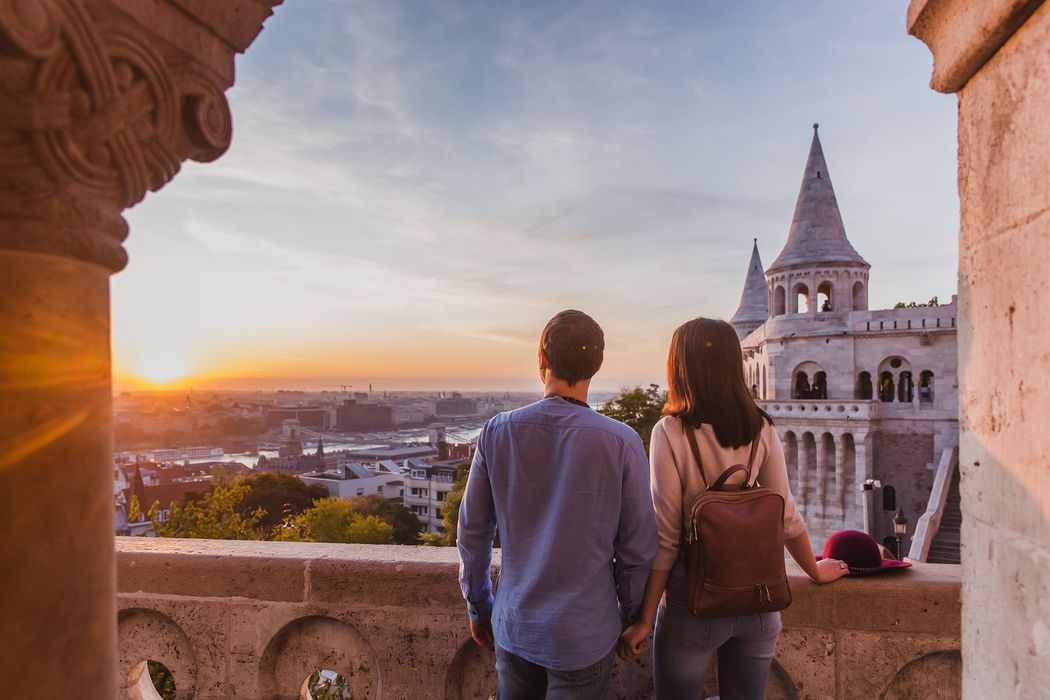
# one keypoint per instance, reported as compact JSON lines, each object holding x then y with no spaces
{"x":924,"y":598}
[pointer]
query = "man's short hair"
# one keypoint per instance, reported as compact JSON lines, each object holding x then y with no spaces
{"x":574,"y":345}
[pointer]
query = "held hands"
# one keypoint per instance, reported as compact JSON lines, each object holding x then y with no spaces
{"x":829,"y":570}
{"x":632,"y":640}
{"x":481,"y":631}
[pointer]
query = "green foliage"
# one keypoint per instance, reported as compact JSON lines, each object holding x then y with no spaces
{"x":432,"y":539}
{"x":279,"y":496}
{"x":336,"y":520}
{"x":912,"y":305}
{"x":329,"y":689}
{"x":134,"y":509}
{"x":216,"y":515}
{"x":405,"y":525}
{"x":450,"y":509}
{"x":162,"y":680}
{"x":639,"y":408}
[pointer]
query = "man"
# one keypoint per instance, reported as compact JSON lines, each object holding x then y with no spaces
{"x":568,"y":491}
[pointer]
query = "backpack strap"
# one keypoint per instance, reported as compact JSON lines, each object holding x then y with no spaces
{"x":690,"y":435}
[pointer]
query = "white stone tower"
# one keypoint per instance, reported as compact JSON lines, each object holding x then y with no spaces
{"x":818,"y":271}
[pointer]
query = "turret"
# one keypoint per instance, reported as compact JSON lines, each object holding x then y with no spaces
{"x":754,"y":301}
{"x":818,"y":271}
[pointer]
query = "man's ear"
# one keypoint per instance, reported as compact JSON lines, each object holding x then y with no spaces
{"x":544,"y":363}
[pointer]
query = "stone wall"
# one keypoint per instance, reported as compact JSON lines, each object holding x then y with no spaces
{"x":996,"y":55}
{"x":240,"y":620}
{"x":902,"y":461}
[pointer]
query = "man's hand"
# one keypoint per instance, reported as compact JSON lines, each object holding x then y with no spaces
{"x":481,"y":631}
{"x":632,"y":641}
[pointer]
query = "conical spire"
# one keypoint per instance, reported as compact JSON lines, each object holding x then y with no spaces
{"x":754,"y":302}
{"x":817,"y":235}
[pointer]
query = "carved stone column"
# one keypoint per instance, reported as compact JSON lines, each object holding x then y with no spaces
{"x":100,"y":102}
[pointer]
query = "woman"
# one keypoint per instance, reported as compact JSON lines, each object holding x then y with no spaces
{"x":707,"y":394}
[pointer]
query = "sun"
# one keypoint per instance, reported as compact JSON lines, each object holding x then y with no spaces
{"x":163,"y":369}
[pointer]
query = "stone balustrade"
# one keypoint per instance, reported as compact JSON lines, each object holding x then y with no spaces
{"x":823,"y":409}
{"x":240,"y":620}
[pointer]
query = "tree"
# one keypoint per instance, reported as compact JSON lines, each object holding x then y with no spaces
{"x":639,"y":408}
{"x":336,"y":520}
{"x":450,"y":510}
{"x":279,"y":496}
{"x":215,"y":516}
{"x":406,"y":526}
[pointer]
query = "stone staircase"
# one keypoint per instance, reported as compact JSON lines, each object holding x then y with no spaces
{"x":945,"y":548}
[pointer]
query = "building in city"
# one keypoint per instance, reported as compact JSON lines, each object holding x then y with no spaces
{"x":426,"y":487}
{"x":455,"y":406}
{"x":308,"y":415}
{"x":865,"y":401}
{"x":354,"y":415}
{"x":355,"y":479}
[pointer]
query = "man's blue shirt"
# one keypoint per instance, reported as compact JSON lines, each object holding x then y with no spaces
{"x":568,"y":489}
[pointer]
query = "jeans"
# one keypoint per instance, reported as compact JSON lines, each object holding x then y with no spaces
{"x":683,"y":646}
{"x":523,"y":680}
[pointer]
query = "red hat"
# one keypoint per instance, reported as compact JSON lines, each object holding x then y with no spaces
{"x":860,"y":552}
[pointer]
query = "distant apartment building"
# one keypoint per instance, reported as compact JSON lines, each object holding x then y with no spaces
{"x":426,"y":488}
{"x":353,"y":415}
{"x":354,"y":480}
{"x":454,"y":406}
{"x":414,"y":412}
{"x":312,"y":416}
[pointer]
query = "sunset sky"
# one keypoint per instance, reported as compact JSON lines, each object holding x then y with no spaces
{"x":414,"y":188}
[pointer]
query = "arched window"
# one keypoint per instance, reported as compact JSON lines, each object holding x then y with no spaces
{"x":825,"y":302}
{"x":802,"y":388}
{"x":905,"y":387}
{"x":820,"y":385}
{"x":860,"y":299}
{"x":886,"y":387}
{"x":800,"y":299}
{"x":864,"y":389}
{"x":926,"y":387}
{"x":764,"y":382}
{"x":779,"y":301}
{"x":889,"y":498}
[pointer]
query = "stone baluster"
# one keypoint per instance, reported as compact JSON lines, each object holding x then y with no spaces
{"x":102,"y":101}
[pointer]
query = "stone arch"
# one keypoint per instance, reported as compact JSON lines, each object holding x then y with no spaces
{"x":790,"y":441}
{"x":799,"y":299}
{"x":890,"y":371}
{"x":828,"y":454}
{"x":316,"y":642}
{"x":825,"y":296}
{"x":934,"y":675}
{"x":864,"y":390}
{"x":905,"y":387}
{"x":470,"y":675}
{"x":807,"y":466}
{"x":779,"y":300}
{"x":926,"y":386}
{"x":860,"y":296}
{"x":848,"y":460}
{"x":150,"y":635}
{"x":804,"y":380}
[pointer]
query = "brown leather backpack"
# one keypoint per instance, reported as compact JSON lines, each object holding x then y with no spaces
{"x":734,"y":544}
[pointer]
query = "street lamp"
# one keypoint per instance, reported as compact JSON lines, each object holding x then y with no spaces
{"x":900,"y":529}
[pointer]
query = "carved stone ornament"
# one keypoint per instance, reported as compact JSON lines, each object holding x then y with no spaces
{"x":95,"y":110}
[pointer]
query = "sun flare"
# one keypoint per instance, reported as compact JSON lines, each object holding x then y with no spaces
{"x":163,"y":369}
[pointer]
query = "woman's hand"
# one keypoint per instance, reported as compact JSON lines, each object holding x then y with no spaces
{"x":829,"y":570}
{"x":632,"y":641}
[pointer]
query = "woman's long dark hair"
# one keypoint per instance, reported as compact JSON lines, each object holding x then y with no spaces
{"x":705,"y":383}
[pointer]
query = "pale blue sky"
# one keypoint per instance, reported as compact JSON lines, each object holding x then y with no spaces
{"x":415,"y":187}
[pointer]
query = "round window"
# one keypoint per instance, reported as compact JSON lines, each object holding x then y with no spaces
{"x":896,"y":363}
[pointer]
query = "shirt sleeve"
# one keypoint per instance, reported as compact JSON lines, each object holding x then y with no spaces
{"x":773,"y":475}
{"x":667,"y":498}
{"x":636,"y":539}
{"x":475,"y":532}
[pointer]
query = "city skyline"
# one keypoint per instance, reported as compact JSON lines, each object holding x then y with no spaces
{"x":410,"y":195}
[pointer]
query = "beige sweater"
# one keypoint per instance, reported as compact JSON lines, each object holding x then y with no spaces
{"x":673,"y":470}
